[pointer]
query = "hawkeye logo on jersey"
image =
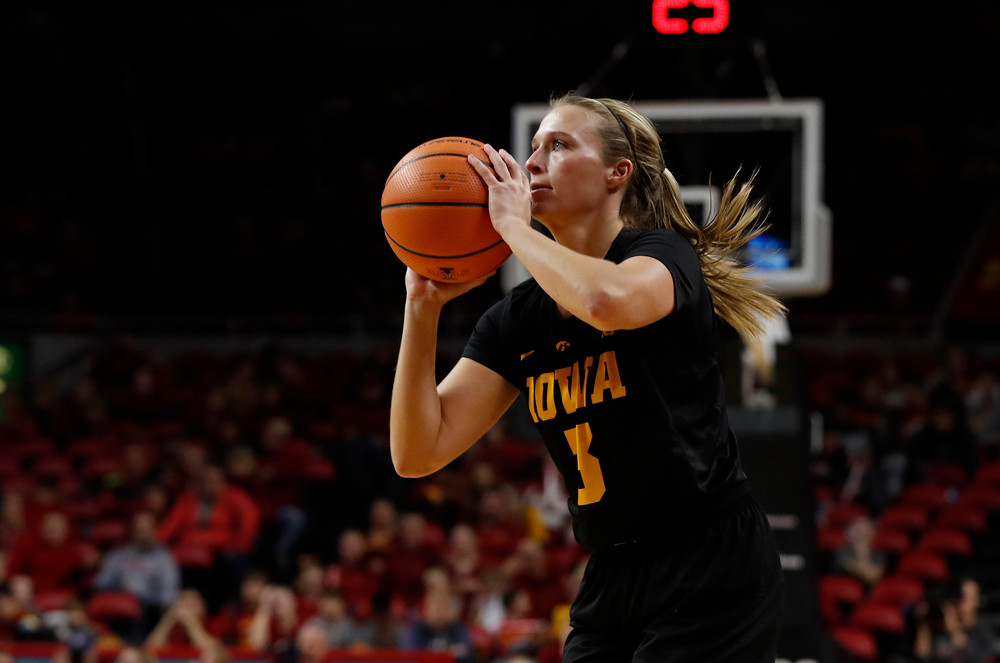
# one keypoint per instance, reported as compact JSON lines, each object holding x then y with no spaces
{"x":586,"y":381}
{"x":562,"y":346}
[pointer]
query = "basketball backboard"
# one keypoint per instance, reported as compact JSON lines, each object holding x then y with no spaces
{"x":705,"y":144}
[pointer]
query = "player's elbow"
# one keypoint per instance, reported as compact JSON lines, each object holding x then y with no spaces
{"x":603,"y":310}
{"x":409,"y":465}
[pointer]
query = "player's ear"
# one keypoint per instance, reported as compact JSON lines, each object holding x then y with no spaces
{"x":620,"y":172}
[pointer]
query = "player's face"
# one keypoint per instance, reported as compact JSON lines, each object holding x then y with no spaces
{"x":568,"y":175}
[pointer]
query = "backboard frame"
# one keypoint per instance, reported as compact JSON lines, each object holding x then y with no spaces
{"x":812,"y":275}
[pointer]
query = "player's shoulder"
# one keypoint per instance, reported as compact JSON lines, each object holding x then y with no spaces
{"x":657,"y":242}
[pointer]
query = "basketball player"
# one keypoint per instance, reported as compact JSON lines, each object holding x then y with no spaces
{"x":614,"y":343}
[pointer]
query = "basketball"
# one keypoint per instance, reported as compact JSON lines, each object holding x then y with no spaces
{"x":435,"y":212}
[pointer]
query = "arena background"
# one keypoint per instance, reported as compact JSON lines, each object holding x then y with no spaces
{"x":182,"y":177}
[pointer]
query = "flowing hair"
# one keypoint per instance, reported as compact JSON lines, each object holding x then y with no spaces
{"x":653,"y":200}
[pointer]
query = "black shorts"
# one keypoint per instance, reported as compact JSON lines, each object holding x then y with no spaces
{"x":710,"y":594}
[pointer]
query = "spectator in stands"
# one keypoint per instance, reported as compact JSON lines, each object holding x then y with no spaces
{"x":500,"y":524}
{"x":382,"y":524}
{"x":439,"y":629}
{"x":232,"y":621}
{"x":12,"y":520}
{"x":333,"y":620}
{"x":407,"y":559}
{"x":529,"y":571}
{"x":942,"y":635}
{"x":77,"y":632}
{"x":489,"y":607}
{"x":276,"y":621}
{"x":464,"y":564}
{"x":945,"y":436}
{"x":283,"y":518}
{"x":981,"y":638}
{"x":156,"y":501}
{"x":857,"y":557}
{"x":309,"y":586}
{"x":382,"y":630}
{"x":11,"y":612}
{"x":311,"y":644}
{"x":50,"y":557}
{"x":144,"y":567}
{"x":354,"y":572}
{"x":139,"y":469}
{"x":134,"y":655}
{"x":863,"y":483}
{"x":218,"y":515}
{"x":552,"y":650}
{"x":184,"y":623}
{"x":982,"y":401}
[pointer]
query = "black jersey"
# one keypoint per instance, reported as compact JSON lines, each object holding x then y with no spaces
{"x":634,"y":419}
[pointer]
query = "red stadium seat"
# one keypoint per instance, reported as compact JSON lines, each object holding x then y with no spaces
{"x":830,"y":538}
{"x":9,"y":467}
{"x":930,"y":494}
{"x":891,"y":540}
{"x":946,"y":541}
{"x":109,"y":532}
{"x":101,"y":466}
{"x":53,"y":599}
{"x":82,"y":448}
{"x":841,"y":588}
{"x":103,"y":606}
{"x":844,"y":513}
{"x":948,"y":474}
{"x":910,"y":517}
{"x":879,"y":616}
{"x":193,"y":556}
{"x":982,"y":495}
{"x":318,"y":469}
{"x":924,"y":564}
{"x":57,"y":467}
{"x":18,"y":483}
{"x":988,"y":474}
{"x":898,"y":589}
{"x":32,"y":449}
{"x":837,"y":595}
{"x":963,"y":517}
{"x":858,"y":642}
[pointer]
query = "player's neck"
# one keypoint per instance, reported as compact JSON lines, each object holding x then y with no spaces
{"x":592,"y":239}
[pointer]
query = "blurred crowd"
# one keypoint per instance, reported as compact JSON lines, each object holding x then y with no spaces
{"x":247,"y":502}
{"x":907,"y":489}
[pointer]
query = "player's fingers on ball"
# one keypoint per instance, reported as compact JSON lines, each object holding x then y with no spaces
{"x":499,"y":165}
{"x":513,"y":166}
{"x":483,"y":170}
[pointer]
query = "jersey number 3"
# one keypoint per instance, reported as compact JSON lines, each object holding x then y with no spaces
{"x":579,"y":439}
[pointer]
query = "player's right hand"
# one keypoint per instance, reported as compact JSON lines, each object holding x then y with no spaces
{"x":423,"y":290}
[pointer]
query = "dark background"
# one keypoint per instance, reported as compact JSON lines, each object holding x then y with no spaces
{"x":205,"y":166}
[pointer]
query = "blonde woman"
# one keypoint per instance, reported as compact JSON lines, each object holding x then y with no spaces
{"x":614,"y":343}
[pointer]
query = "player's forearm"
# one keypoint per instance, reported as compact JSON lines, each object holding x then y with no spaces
{"x":583,"y":285}
{"x":415,"y":412}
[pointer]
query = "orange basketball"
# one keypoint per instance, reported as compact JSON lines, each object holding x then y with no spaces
{"x":435,"y":212}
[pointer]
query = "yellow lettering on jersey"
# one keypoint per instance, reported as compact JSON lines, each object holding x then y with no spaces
{"x":579,"y":439}
{"x":545,"y":396}
{"x":571,"y":387}
{"x":607,"y":378}
{"x":531,"y":399}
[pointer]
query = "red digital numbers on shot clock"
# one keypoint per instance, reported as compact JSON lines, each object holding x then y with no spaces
{"x":673,"y":25}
